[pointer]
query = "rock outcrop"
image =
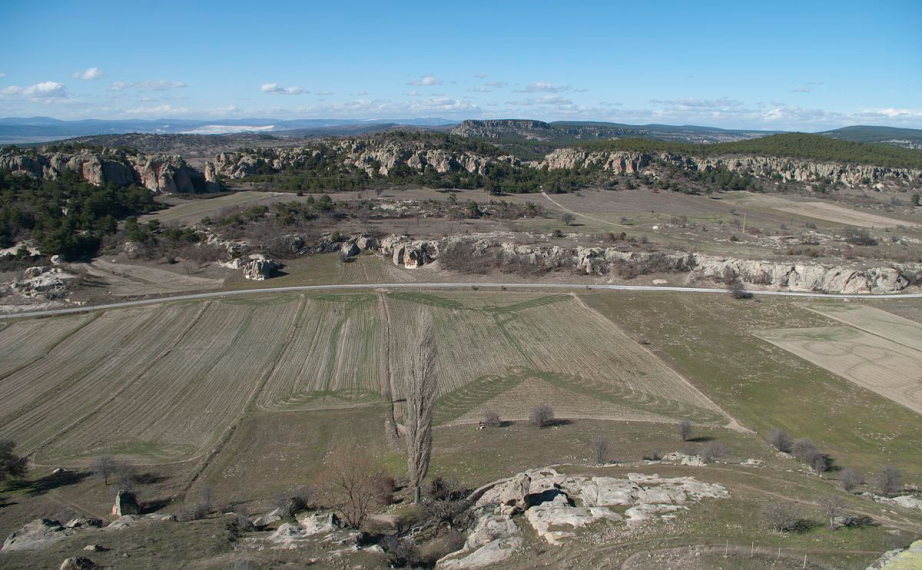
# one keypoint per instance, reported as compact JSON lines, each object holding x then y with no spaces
{"x":766,"y":167}
{"x":556,"y":506}
{"x":126,"y":503}
{"x":158,"y":173}
{"x":374,"y":156}
{"x":784,"y":275}
{"x":35,"y":535}
{"x":256,"y":266}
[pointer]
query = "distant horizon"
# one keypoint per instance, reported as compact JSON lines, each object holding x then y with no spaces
{"x":409,"y":121}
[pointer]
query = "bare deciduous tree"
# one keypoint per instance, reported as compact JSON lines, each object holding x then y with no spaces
{"x":713,"y":450}
{"x":685,"y":429}
{"x":567,"y":218}
{"x":780,"y":440}
{"x":420,"y":406}
{"x":833,"y":507}
{"x":599,"y":449}
{"x":889,"y":481}
{"x":104,"y":466}
{"x":350,"y":483}
{"x":541,"y":415}
{"x":491,"y":419}
{"x":802,"y":449}
{"x":851,"y":479}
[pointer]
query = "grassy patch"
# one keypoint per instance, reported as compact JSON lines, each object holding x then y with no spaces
{"x":708,"y":339}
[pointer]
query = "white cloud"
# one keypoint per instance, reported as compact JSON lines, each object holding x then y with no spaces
{"x":694,"y":103}
{"x":156,"y":85}
{"x":89,"y":74}
{"x":158,"y":110}
{"x":543,"y":87}
{"x":43,"y":90}
{"x":426,"y":81}
{"x":276,"y":89}
{"x":2,"y":75}
{"x":480,"y":76}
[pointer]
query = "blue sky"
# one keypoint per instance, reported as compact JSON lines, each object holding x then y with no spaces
{"x":774,"y":65}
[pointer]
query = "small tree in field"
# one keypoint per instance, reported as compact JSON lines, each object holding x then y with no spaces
{"x":491,"y":419}
{"x":541,"y":416}
{"x":567,"y":218}
{"x":780,"y":440}
{"x":11,"y":465}
{"x":889,"y":481}
{"x":685,"y":429}
{"x":599,"y":449}
{"x":851,"y":480}
{"x":351,"y":483}
{"x":104,"y":467}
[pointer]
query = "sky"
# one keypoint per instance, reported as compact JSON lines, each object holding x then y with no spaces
{"x":804,"y":65}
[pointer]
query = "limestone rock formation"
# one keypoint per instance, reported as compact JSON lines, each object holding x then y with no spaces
{"x":785,"y":275}
{"x":35,"y":535}
{"x":765,"y":167}
{"x":318,"y":523}
{"x":126,"y":503}
{"x":256,"y":266}
{"x":158,"y":173}
{"x":557,"y":505}
{"x":78,"y":563}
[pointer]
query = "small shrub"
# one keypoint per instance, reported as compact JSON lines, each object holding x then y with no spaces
{"x":783,"y":517}
{"x":712,"y":451}
{"x":851,"y":479}
{"x":889,"y":481}
{"x":780,"y":440}
{"x":541,"y":416}
{"x":652,"y":456}
{"x":491,"y":419}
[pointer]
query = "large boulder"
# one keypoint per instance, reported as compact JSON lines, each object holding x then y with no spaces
{"x":318,"y":523}
{"x":493,"y":539}
{"x":78,"y":563}
{"x":126,"y":503}
{"x":35,"y":535}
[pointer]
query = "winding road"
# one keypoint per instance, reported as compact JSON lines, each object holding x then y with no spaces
{"x":454,"y":285}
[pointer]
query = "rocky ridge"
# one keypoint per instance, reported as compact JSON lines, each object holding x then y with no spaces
{"x":376,"y":157}
{"x":766,"y":167}
{"x":158,"y":172}
{"x":793,"y":276}
{"x":556,"y":505}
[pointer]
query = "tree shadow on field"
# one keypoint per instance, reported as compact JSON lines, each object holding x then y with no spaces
{"x":155,"y":505}
{"x":700,"y":439}
{"x":557,"y":423}
{"x":47,"y":483}
{"x":148,"y":478}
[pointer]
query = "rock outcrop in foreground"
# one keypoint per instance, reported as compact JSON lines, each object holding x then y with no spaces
{"x":792,"y":276}
{"x":158,"y":173}
{"x":548,"y":502}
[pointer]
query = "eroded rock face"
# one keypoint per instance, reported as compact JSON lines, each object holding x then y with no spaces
{"x":159,"y":173}
{"x":256,"y":266}
{"x":318,"y":523}
{"x":376,"y":157}
{"x":492,"y":540}
{"x":35,"y":535}
{"x":552,"y":499}
{"x":797,"y":276}
{"x":126,"y":503}
{"x":766,"y":167}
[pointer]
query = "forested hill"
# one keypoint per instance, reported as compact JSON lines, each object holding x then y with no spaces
{"x":789,"y":145}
